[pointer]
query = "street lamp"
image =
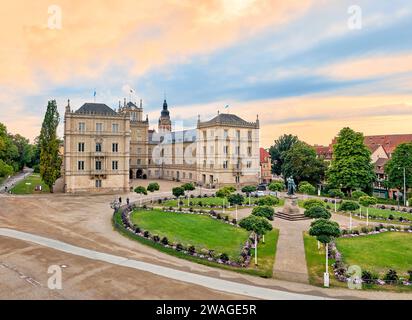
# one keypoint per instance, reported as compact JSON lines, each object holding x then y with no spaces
{"x":404,"y":187}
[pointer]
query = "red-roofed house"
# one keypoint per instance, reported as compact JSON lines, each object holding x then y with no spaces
{"x":265,"y":166}
{"x":381,"y":147}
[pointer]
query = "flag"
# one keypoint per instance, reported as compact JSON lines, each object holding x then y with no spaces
{"x":94,"y":94}
{"x":227,"y":106}
{"x":131,"y":91}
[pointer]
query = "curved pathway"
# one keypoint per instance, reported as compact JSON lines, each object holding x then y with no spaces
{"x":205,"y":281}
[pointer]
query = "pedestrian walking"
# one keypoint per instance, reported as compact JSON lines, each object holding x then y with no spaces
{"x":127,"y":201}
{"x":120,"y":200}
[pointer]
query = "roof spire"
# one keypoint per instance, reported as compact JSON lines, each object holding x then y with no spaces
{"x":141,"y":103}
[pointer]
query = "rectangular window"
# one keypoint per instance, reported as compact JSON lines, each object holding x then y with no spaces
{"x":238,"y":134}
{"x":81,"y":147}
{"x":249,"y":134}
{"x":225,"y":134}
{"x":98,"y":183}
{"x":225,"y":149}
{"x":99,"y":127}
{"x":204,"y":135}
{"x":139,"y":161}
{"x":82,"y":127}
{"x":115,"y":147}
{"x":80,"y":165}
{"x":139,"y":150}
{"x":98,"y":147}
{"x":249,"y":164}
{"x":190,"y":176}
{"x":225,"y":164}
{"x":249,"y":151}
{"x":115,"y":165}
{"x":115,"y":128}
{"x":98,"y":165}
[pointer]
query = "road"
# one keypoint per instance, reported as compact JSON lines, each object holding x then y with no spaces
{"x":9,"y":183}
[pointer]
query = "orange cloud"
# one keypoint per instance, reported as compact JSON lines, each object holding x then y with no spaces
{"x":143,"y":34}
{"x":369,"y":67}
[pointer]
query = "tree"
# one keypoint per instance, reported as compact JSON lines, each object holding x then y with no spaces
{"x":335,"y":193}
{"x":317,"y":212}
{"x":398,"y":164}
{"x":325,"y":230}
{"x":258,"y":225}
{"x":301,"y":162}
{"x":50,"y":160}
{"x":306,"y":188}
{"x":281,"y":145}
{"x":264,"y":211}
{"x":5,"y":169}
{"x":234,"y":199}
{"x":188,"y":186}
{"x":140,"y":190}
{"x":351,"y":166}
{"x":152,"y":187}
{"x":277,"y":186}
{"x":178,"y":192}
{"x":248,"y":189}
{"x":349,"y":206}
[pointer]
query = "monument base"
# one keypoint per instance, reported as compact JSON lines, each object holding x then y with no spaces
{"x":291,"y":210}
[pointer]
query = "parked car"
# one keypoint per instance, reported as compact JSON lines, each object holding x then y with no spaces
{"x":273,"y":193}
{"x":261,"y":187}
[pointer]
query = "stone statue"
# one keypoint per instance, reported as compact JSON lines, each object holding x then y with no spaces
{"x":291,"y":186}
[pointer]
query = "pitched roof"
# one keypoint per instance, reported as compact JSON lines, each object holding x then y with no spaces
{"x":388,"y":142}
{"x":96,"y":108}
{"x":380,"y":165}
{"x":228,"y":119}
{"x":264,"y":155}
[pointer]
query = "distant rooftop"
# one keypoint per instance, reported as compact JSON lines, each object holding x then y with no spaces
{"x":96,"y":108}
{"x":228,"y":119}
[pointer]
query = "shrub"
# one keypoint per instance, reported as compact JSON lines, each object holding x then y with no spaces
{"x":192,"y":250}
{"x":410,"y":275}
{"x":357,"y":194}
{"x":137,"y":230}
{"x":218,"y":216}
{"x":307,"y":204}
{"x":267,"y":201}
{"x":226,"y":218}
{"x":335,"y":193}
{"x":224,"y":257}
{"x":306,"y":188}
{"x":349,"y":206}
{"x":369,"y":277}
{"x":234,"y":199}
{"x":152,"y":187}
{"x":165,"y":241}
{"x":277,"y":186}
{"x":391,"y":217}
{"x":188,"y":186}
{"x":367,"y":201}
{"x":179,"y":247}
{"x":317,"y":212}
{"x":248,"y":189}
{"x":140,"y":190}
{"x":364,"y":230}
{"x":200,"y":204}
{"x":212,"y":212}
{"x":264,"y":211}
{"x":391,"y":276}
{"x":156,"y":238}
{"x":146,"y":234}
{"x":225,"y":191}
{"x":234,"y":221}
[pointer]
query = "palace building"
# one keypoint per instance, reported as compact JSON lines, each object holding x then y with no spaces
{"x":106,"y":150}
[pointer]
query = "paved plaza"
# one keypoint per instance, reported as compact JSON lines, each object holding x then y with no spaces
{"x":85,"y":222}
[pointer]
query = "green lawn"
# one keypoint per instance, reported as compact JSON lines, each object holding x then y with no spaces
{"x":28,"y":185}
{"x":210,"y":201}
{"x":379,"y":252}
{"x":315,"y":261}
{"x":266,"y":254}
{"x":266,"y":251}
{"x":190,"y":229}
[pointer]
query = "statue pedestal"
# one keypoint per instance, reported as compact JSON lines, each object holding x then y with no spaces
{"x":291,"y":210}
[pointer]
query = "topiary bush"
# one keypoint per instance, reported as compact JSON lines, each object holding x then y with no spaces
{"x":154,"y":186}
{"x":391,"y":276}
{"x":317,"y":212}
{"x":267,"y":201}
{"x":307,"y":204}
{"x":277,"y":186}
{"x":357,"y":194}
{"x":224,"y":257}
{"x":140,"y":190}
{"x":306,"y":188}
{"x":349,"y":206}
{"x":264,"y":211}
{"x":335,"y":193}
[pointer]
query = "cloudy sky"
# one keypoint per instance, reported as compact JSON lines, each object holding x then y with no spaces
{"x":301,"y":65}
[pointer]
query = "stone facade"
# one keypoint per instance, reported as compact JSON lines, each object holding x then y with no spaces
{"x":105,"y":150}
